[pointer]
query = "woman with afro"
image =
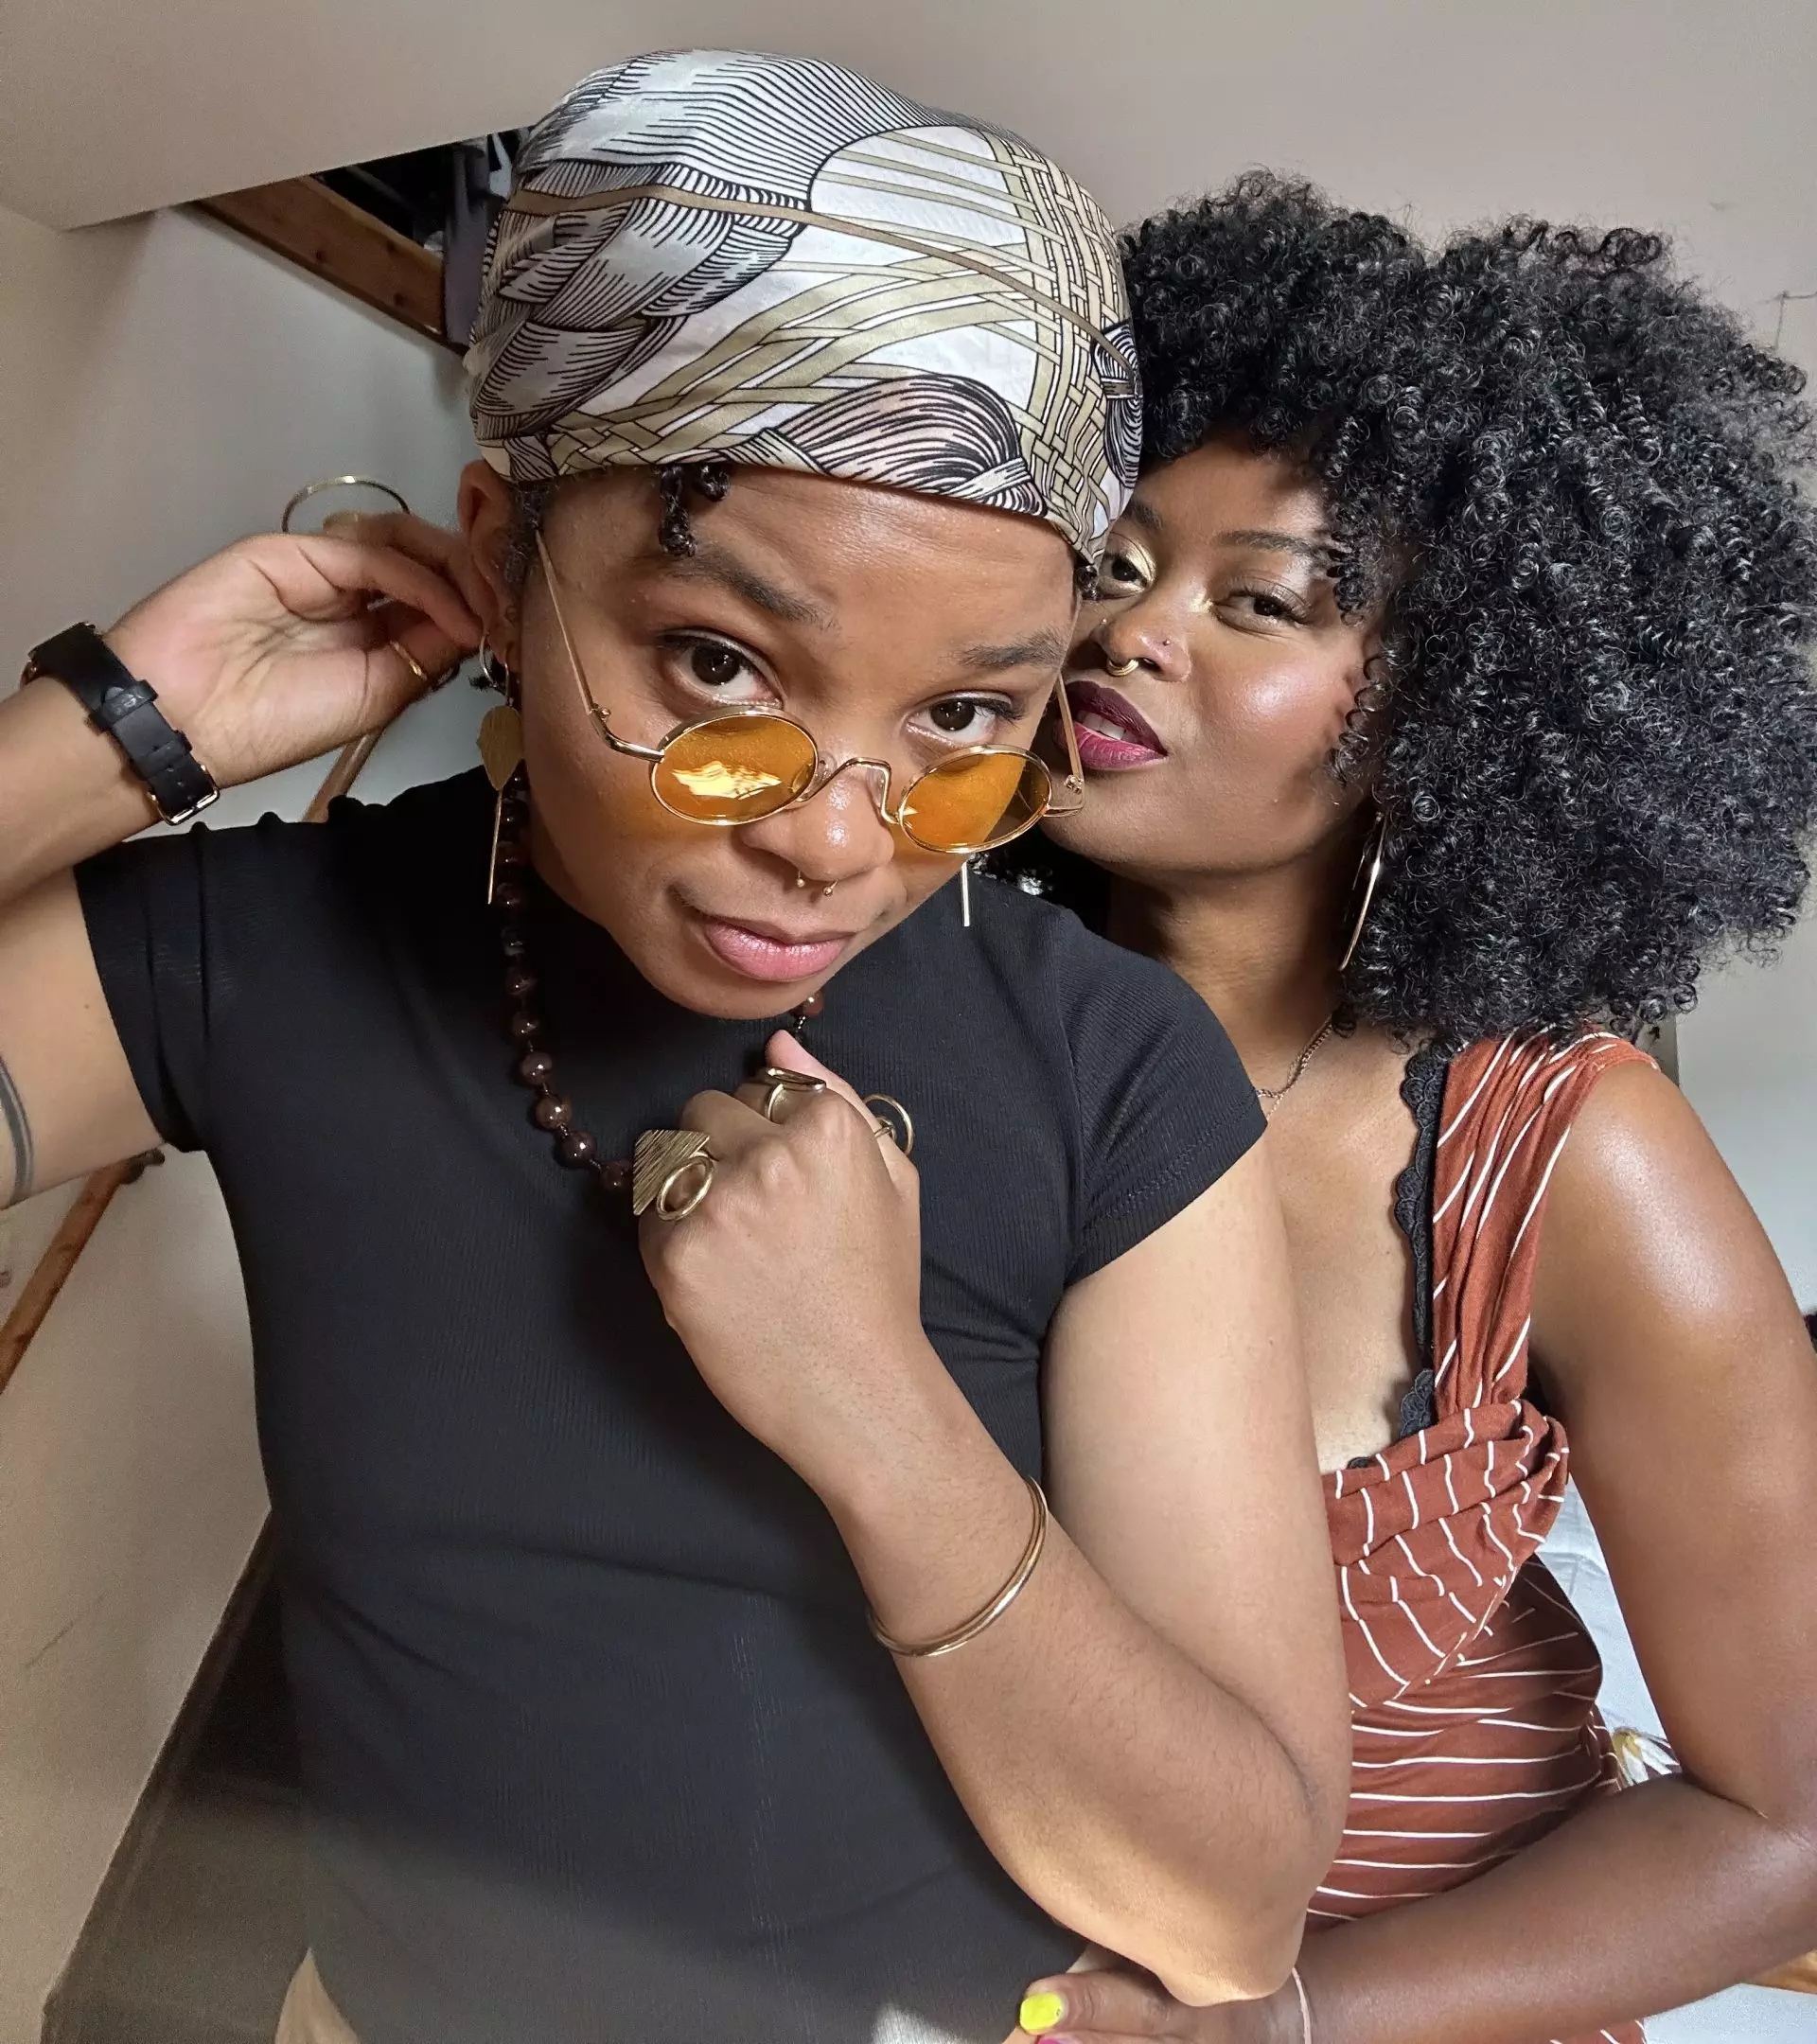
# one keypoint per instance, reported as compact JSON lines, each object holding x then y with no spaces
{"x":1448,"y":703}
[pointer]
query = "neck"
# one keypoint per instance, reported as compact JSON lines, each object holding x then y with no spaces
{"x":1262,"y":948}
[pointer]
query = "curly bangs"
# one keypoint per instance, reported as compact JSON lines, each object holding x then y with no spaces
{"x":1597,"y":744}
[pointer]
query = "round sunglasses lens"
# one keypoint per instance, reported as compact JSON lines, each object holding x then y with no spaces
{"x":735,"y":770}
{"x":977,"y":800}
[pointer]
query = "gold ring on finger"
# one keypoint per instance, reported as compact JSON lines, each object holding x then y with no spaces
{"x":776,"y":1082}
{"x":663,"y":1159}
{"x":683,"y":1190}
{"x":894,"y":1120}
{"x":410,"y":660}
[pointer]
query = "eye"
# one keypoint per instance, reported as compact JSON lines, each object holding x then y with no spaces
{"x":1121,"y":572}
{"x":1269,"y":606}
{"x":715,"y":667}
{"x":968,"y":719}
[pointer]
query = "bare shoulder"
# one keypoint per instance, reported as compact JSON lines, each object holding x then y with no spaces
{"x":1640,"y":1169}
{"x":1648,"y":1246}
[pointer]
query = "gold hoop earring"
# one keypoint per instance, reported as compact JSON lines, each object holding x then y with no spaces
{"x":333,"y":483}
{"x":492,"y":673}
{"x":1368,"y":874}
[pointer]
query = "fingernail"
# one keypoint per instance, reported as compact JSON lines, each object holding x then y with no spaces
{"x":1040,"y":2012}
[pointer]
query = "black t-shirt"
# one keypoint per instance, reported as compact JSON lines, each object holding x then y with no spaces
{"x":596,"y":1745}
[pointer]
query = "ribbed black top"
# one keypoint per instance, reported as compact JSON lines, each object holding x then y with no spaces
{"x":595,"y":1742}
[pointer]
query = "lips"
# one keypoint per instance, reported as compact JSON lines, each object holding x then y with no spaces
{"x":1113,"y":733}
{"x":769,"y":951}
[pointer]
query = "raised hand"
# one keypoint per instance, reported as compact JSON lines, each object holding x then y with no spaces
{"x":285,"y":646}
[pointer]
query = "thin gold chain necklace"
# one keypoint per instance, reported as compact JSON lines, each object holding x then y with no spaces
{"x":1271,"y":1097}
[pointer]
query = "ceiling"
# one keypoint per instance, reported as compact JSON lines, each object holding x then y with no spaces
{"x":1688,"y":114}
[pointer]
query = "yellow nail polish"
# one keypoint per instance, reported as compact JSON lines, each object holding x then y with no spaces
{"x":1040,"y":2012}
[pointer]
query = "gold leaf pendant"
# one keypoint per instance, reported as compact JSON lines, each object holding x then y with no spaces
{"x":501,"y":743}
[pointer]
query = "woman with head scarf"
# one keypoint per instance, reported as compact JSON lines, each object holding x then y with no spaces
{"x":1446,"y":705}
{"x":802,"y":405}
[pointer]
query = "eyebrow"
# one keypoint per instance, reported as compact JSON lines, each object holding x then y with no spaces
{"x":710,"y":563}
{"x":1041,"y":649}
{"x":1322,"y":551}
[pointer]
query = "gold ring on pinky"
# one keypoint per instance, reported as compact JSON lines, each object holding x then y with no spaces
{"x":776,"y":1082}
{"x":411,"y":662}
{"x":671,"y":1172}
{"x":894,"y":1120}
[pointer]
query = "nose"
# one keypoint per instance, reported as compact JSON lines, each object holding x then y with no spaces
{"x":1140,"y":636}
{"x":838,"y":834}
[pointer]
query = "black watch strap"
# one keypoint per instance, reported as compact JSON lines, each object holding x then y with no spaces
{"x":127,"y":709}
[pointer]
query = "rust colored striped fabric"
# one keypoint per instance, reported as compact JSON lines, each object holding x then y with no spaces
{"x":1472,"y":1682}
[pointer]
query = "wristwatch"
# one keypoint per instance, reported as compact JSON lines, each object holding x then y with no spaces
{"x":126,"y":708}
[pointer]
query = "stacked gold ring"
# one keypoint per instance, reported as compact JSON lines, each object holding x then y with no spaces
{"x":902,"y":1135}
{"x":664,"y":1158}
{"x":777,"y":1084}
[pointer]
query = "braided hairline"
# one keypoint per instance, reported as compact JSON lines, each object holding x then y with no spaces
{"x":674,"y":483}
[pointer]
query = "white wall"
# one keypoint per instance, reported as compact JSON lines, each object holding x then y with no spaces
{"x":167,"y":386}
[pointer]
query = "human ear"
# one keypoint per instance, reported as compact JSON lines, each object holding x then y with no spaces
{"x":486,"y":511}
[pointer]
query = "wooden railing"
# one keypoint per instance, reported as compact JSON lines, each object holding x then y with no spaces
{"x":302,"y":219}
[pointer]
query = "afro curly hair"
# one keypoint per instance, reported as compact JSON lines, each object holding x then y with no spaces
{"x":1571,"y":480}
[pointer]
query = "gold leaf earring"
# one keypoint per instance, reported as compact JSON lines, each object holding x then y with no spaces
{"x":500,"y":750}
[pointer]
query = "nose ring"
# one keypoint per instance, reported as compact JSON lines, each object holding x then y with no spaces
{"x":1121,"y":667}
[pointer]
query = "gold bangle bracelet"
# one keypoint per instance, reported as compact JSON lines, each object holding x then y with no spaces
{"x":962,"y":1634}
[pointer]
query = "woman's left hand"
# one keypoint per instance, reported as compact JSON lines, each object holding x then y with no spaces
{"x":1121,"y":2005}
{"x":796,"y":1282}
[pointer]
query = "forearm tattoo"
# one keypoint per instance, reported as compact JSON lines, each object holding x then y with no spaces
{"x":12,"y":1115}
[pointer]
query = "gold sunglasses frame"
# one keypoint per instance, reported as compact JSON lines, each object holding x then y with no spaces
{"x":1073,"y":782}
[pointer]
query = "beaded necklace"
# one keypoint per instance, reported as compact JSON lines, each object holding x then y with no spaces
{"x":552,"y":1111}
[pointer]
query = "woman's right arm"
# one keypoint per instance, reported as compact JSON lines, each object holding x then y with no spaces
{"x":266,"y":655}
{"x":1675,"y":1356}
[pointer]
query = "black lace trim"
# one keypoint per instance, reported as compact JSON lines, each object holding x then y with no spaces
{"x":1424,"y":1089}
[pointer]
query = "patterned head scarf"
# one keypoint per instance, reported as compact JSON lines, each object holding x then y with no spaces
{"x":713,"y":255}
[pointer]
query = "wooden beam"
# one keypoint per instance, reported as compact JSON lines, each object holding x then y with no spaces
{"x":302,"y":220}
{"x":41,"y":1289}
{"x":341,"y":775}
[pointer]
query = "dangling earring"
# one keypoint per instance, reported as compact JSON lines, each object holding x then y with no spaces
{"x":500,"y":750}
{"x":1368,"y":872}
{"x":492,"y":672}
{"x":965,"y":894}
